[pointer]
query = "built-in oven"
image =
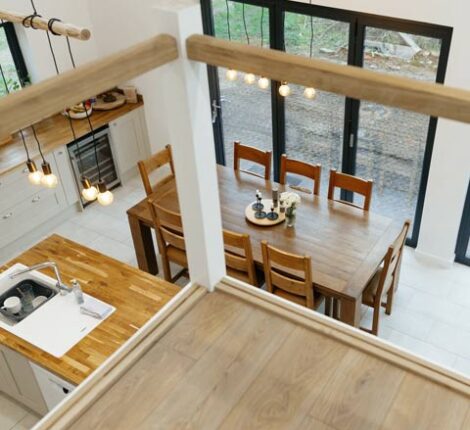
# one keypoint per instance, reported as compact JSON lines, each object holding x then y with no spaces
{"x":83,"y":154}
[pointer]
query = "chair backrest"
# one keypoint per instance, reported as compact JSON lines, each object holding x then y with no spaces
{"x":350,"y":183}
{"x":391,"y":263}
{"x":156,"y":161}
{"x":301,"y":168}
{"x":253,"y":154}
{"x":239,"y":255}
{"x":169,"y":227}
{"x":278,"y":268}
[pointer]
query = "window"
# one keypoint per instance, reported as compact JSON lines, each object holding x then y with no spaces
{"x":389,"y":145}
{"x":11,"y":59}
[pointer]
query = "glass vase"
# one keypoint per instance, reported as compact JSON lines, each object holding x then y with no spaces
{"x":290,"y":217}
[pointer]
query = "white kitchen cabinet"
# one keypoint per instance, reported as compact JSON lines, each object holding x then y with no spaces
{"x":7,"y":383}
{"x":66,"y":177}
{"x":129,"y":141}
{"x":23,"y":385}
{"x":53,"y":388}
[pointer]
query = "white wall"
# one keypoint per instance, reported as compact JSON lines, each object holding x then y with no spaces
{"x":450,"y":165}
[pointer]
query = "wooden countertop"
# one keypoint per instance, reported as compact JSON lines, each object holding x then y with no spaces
{"x":54,"y":132}
{"x":136,"y":295}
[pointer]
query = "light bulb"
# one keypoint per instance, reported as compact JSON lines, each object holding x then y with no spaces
{"x":49,"y":181}
{"x":284,"y":90}
{"x":263,"y":83}
{"x":105,"y":198}
{"x":35,"y":177}
{"x":90,"y":194}
{"x":249,"y":78}
{"x":310,"y":93}
{"x":231,"y":74}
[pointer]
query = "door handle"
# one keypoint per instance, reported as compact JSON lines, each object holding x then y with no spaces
{"x":215,"y":111}
{"x":351,"y":140}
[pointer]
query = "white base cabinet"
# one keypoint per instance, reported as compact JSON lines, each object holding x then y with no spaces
{"x":19,"y":381}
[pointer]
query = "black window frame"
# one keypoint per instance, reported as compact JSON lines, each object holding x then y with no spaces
{"x":358,"y":22}
{"x":463,"y":237}
{"x":16,"y":53}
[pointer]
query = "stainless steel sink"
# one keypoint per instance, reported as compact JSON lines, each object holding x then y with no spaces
{"x":38,"y":290}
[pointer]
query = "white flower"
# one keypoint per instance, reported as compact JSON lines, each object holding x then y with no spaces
{"x":290,"y":199}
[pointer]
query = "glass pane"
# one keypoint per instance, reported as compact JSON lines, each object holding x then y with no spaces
{"x":246,"y":108}
{"x":8,"y":66}
{"x":314,"y":128}
{"x":391,"y":141}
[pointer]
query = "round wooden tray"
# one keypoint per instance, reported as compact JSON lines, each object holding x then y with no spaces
{"x":101,"y":105}
{"x":265,"y":222}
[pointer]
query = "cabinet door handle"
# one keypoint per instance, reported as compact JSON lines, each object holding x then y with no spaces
{"x":36,"y":199}
{"x":8,"y":215}
{"x":60,"y":153}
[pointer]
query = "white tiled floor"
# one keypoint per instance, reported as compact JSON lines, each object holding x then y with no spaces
{"x":431,"y":313}
{"x":15,"y":417}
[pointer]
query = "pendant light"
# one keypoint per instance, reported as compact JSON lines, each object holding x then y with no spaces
{"x":284,"y":89}
{"x":263,"y":82}
{"x":310,"y":92}
{"x":230,"y":74}
{"x":34,"y":175}
{"x":249,"y":78}
{"x":48,"y":179}
{"x":105,"y":197}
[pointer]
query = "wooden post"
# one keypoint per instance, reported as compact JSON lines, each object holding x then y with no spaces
{"x":39,"y":23}
{"x":411,"y":94}
{"x":185,"y":92}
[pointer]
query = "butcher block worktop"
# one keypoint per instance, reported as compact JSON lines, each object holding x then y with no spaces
{"x":54,"y":132}
{"x":136,"y":295}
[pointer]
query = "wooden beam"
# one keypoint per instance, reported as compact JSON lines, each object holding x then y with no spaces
{"x":39,"y":23}
{"x":30,"y":105}
{"x":355,"y":82}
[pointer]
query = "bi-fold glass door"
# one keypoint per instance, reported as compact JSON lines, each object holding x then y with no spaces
{"x":391,"y":146}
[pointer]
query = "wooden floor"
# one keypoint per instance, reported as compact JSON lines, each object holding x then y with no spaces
{"x":230,"y":364}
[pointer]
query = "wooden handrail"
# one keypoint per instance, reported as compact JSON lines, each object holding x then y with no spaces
{"x":358,"y":83}
{"x":39,"y":23}
{"x":31,"y":104}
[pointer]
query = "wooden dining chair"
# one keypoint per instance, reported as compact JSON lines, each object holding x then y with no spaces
{"x":384,"y":281}
{"x":255,"y":155}
{"x":289,"y":276}
{"x":170,"y":239}
{"x":350,"y":183}
{"x":239,"y":257}
{"x":301,"y":168}
{"x":150,"y":165}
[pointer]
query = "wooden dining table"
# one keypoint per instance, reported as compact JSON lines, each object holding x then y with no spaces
{"x":346,"y":244}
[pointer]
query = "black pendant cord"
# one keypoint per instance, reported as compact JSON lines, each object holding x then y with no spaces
{"x":311,"y":33}
{"x":261,"y":27}
{"x":244,"y":24}
{"x":21,"y":131}
{"x":39,"y":145}
{"x":228,"y":20}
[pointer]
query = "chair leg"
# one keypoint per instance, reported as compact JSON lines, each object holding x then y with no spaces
{"x":336,"y":309}
{"x":389,"y":303}
{"x":328,"y":306}
{"x":166,"y":269}
{"x":375,"y":320}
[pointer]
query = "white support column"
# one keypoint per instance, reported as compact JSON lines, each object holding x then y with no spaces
{"x":185,"y":95}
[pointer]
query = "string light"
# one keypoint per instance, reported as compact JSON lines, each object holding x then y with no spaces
{"x":231,"y":74}
{"x":284,"y":89}
{"x":249,"y":78}
{"x":309,"y":92}
{"x":263,"y":82}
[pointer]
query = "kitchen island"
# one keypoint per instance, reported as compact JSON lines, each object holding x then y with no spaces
{"x":136,"y":295}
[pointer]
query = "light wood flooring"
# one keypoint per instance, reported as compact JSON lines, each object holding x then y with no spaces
{"x":229,"y":364}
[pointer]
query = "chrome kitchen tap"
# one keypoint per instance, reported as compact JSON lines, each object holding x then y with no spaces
{"x":64,"y":289}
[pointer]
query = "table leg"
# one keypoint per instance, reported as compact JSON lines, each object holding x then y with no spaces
{"x":350,"y":312}
{"x":143,"y":245}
